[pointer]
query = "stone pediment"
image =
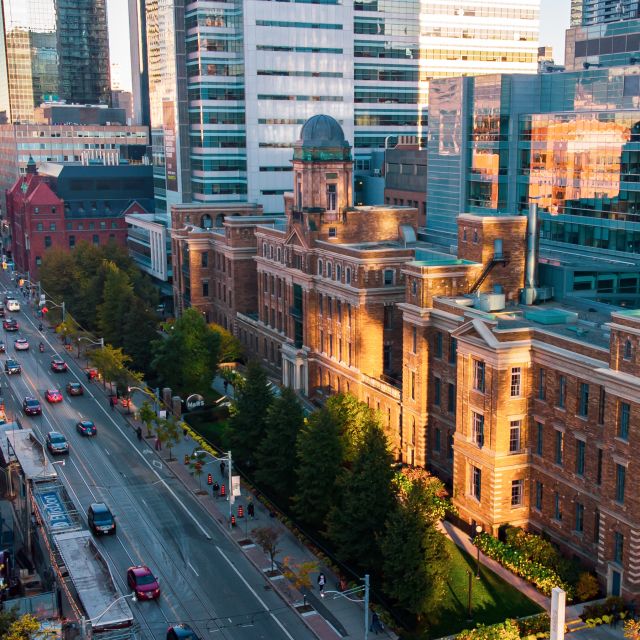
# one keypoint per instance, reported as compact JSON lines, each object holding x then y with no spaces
{"x":296,"y":239}
{"x":477,"y":329}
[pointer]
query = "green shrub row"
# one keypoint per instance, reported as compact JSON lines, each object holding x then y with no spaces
{"x":530,"y":628}
{"x":541,"y":577}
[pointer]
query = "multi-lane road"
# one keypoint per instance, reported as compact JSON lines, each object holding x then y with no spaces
{"x":205,"y":579}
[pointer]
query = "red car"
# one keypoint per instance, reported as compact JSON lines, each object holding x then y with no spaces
{"x":58,"y":365}
{"x":143,"y":583}
{"x":53,"y":396}
{"x":10,"y":324}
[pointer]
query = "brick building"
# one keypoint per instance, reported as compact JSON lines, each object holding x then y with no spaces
{"x":63,"y":205}
{"x":529,"y":412}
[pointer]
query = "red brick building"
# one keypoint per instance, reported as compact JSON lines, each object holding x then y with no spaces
{"x":63,"y":205}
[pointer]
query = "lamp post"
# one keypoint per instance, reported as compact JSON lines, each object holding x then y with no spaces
{"x":85,"y":625}
{"x":99,"y":341}
{"x":46,"y":301}
{"x":229,"y":461}
{"x":469,"y":613}
{"x":366,"y":587}
{"x":478,"y":532}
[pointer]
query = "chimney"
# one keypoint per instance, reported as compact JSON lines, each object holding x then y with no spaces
{"x":531,"y":258}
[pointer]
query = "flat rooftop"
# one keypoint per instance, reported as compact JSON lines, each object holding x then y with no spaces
{"x":23,"y":446}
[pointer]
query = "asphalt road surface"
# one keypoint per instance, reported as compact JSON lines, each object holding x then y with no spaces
{"x":205,"y":579}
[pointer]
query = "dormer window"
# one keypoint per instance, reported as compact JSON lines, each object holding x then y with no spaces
{"x":628,"y":350}
{"x":332,"y":197}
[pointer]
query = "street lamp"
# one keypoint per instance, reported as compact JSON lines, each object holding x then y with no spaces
{"x":478,"y":532}
{"x":354,"y":591}
{"x":99,"y":341}
{"x":469,"y":613}
{"x":45,"y":301}
{"x":229,"y":461}
{"x":84,"y":622}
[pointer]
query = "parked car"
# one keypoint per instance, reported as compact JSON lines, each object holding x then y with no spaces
{"x":101,"y":520}
{"x":52,"y":396}
{"x":21,"y":344}
{"x":181,"y":631}
{"x":58,"y":365}
{"x":31,"y":407}
{"x":143,"y":583}
{"x":10,"y":324}
{"x":74,"y":389}
{"x":86,"y":428}
{"x":12,"y":366}
{"x":57,"y":443}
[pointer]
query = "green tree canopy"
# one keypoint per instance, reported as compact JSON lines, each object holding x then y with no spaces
{"x":117,"y":297}
{"x":352,"y":418}
{"x":320,"y":452}
{"x":415,"y":559}
{"x":247,"y":424}
{"x":230,"y":347}
{"x":364,"y":500}
{"x":276,"y":462}
{"x":140,"y":330}
{"x":187,"y":359}
{"x":110,"y":362}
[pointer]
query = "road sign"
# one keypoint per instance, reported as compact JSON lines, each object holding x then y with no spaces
{"x":235,"y":486}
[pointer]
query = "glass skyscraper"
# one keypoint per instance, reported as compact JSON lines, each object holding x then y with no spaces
{"x":52,"y":50}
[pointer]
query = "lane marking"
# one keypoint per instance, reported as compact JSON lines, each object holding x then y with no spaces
{"x":107,"y":452}
{"x":192,"y":569}
{"x":257,"y":597}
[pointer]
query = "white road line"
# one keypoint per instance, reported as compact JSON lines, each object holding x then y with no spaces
{"x":193,"y":569}
{"x":107,"y":452}
{"x":257,"y":597}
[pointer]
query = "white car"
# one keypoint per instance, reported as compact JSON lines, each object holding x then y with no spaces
{"x":13,"y":305}
{"x":21,"y":344}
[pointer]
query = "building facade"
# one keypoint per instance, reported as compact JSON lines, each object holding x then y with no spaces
{"x":53,"y":51}
{"x":60,"y":206}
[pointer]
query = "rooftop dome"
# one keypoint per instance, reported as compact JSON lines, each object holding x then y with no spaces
{"x":322,"y":138}
{"x":322,"y":131}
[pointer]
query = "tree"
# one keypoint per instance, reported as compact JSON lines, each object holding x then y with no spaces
{"x":187,"y":359}
{"x":117,"y":298}
{"x":140,"y":330}
{"x":7,"y":618}
{"x":364,"y":500}
{"x":196,"y":465}
{"x":352,"y":418}
{"x":24,"y":628}
{"x":109,"y":361}
{"x":276,"y":465}
{"x":415,"y":560}
{"x":267,"y":539}
{"x":230,"y":347}
{"x":319,"y":451}
{"x":147,"y":416}
{"x":59,"y":275}
{"x":247,"y":425}
{"x":169,"y":433}
{"x":632,"y":629}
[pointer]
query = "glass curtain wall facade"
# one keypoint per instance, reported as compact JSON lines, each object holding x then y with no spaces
{"x":51,"y":50}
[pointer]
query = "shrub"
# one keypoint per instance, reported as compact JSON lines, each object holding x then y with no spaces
{"x":612,"y":605}
{"x":532,"y":625}
{"x":532,"y":546}
{"x":507,"y":630}
{"x":542,"y":577}
{"x":587,"y":587}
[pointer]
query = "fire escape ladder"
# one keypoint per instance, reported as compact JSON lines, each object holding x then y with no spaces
{"x":502,"y":259}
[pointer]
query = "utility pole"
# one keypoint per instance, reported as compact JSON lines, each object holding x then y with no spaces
{"x":231,"y":496}
{"x":63,"y":311}
{"x":366,"y":606}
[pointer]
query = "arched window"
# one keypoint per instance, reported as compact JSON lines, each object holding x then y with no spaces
{"x":206,"y":222}
{"x":271,"y":251}
{"x":329,"y":270}
{"x":219,"y":220}
{"x":413,"y":431}
{"x":320,"y":267}
{"x":628,"y":349}
{"x":279,"y":254}
{"x":264,"y":249}
{"x":414,"y":287}
{"x":347,"y":275}
{"x":338,"y":273}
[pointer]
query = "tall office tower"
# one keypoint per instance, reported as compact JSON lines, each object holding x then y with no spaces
{"x":139,"y":62}
{"x":52,"y":49}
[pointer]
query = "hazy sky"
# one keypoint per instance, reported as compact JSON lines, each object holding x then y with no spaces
{"x":554,"y":19}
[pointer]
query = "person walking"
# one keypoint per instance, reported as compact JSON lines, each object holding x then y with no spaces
{"x":158,"y":444}
{"x":376,"y":623}
{"x":112,"y":403}
{"x":251,"y":509}
{"x":322,"y":580}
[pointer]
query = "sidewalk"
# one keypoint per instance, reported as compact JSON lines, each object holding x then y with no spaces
{"x":331,"y":617}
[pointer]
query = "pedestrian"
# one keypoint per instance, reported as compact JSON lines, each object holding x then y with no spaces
{"x":158,"y":444}
{"x":376,"y":624}
{"x":251,"y":509}
{"x":216,"y":487}
{"x":139,"y":432}
{"x":226,"y":386}
{"x":343,"y":585}
{"x":322,"y":580}
{"x":112,"y":403}
{"x":88,"y":375}
{"x":222,"y":468}
{"x":185,"y":433}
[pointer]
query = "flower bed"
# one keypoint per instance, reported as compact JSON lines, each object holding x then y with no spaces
{"x":544,"y":579}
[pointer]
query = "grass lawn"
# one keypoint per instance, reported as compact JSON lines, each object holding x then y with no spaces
{"x":211,"y":431}
{"x":492,"y":600}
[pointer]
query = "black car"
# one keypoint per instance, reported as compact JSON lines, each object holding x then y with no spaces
{"x":181,"y":632}
{"x":101,"y":520}
{"x":31,"y":407}
{"x":12,"y":366}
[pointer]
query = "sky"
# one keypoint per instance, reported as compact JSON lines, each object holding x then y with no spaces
{"x":554,"y":19}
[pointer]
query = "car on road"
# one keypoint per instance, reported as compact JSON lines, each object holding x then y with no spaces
{"x":21,"y":344}
{"x":31,"y":407}
{"x":143,"y":583}
{"x":101,"y":520}
{"x":86,"y":428}
{"x":12,"y":366}
{"x":75,"y":389}
{"x":52,"y":396}
{"x":10,"y":324}
{"x":58,"y":365}
{"x":2,"y":311}
{"x":181,"y":631}
{"x":13,"y":305}
{"x":3,"y":346}
{"x":57,"y":443}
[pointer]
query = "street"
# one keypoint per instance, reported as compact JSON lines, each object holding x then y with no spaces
{"x":205,"y":579}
